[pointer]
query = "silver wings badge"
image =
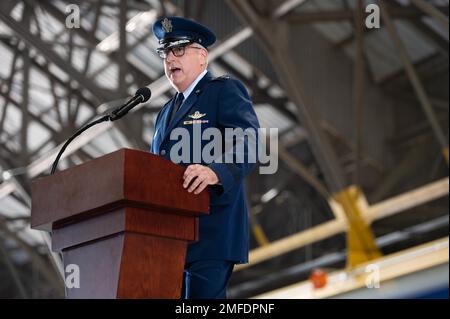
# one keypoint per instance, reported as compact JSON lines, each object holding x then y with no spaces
{"x":197,"y":115}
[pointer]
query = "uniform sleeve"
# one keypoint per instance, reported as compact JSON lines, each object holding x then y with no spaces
{"x":235,"y":111}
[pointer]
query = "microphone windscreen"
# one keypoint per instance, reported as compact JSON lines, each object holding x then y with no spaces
{"x":145,"y":92}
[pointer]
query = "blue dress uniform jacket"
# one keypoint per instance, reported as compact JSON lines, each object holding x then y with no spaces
{"x":225,"y":103}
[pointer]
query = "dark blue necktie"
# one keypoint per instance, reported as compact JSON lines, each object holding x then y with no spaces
{"x":178,"y":101}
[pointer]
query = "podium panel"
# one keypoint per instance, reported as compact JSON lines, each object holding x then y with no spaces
{"x":124,"y":219}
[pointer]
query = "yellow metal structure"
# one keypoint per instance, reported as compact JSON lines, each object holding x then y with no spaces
{"x":384,"y":270}
{"x":378,"y":211}
{"x":259,"y":234}
{"x":361,"y":245}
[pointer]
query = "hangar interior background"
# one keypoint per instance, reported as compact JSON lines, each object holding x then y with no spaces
{"x":362,"y":117}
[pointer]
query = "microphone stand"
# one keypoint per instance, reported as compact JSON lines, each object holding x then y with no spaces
{"x":81,"y":130}
{"x":142,"y":95}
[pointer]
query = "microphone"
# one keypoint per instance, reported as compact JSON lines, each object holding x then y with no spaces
{"x":142,"y":95}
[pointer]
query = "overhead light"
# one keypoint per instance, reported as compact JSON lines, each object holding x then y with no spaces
{"x":6,"y":175}
{"x":267,"y":197}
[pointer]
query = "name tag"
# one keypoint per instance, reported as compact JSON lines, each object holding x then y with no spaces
{"x":195,"y":122}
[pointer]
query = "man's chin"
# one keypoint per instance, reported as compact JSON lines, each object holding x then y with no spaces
{"x":177,"y":83}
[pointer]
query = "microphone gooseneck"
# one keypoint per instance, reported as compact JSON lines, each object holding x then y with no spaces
{"x":142,"y":95}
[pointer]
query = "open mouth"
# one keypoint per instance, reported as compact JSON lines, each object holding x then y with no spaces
{"x":175,"y":70}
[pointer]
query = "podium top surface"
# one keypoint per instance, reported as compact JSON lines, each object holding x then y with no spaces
{"x":119,"y":179}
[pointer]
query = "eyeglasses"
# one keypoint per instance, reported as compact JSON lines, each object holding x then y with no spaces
{"x":176,"y":51}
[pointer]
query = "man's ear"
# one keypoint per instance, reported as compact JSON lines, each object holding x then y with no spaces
{"x":204,"y":56}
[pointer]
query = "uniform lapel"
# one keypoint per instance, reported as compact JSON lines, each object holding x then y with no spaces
{"x":167,"y":116}
{"x":187,"y":105}
{"x":161,"y":126}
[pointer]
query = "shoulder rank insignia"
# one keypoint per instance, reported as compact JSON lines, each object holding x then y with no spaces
{"x":197,"y":115}
{"x":222,"y":78}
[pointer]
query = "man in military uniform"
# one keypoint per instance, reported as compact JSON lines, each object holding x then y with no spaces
{"x":211,"y":103}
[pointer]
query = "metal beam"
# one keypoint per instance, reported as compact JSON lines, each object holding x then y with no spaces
{"x":358,"y":89}
{"x":37,"y":259}
{"x":8,"y":84}
{"x":44,"y":68}
{"x":34,"y":117}
{"x":344,"y":15}
{"x":432,"y":11}
{"x":118,"y":57}
{"x":416,"y":158}
{"x":392,"y":269}
{"x":329,"y":229}
{"x":414,"y":78}
{"x":158,"y":88}
{"x":50,"y":55}
{"x":335,"y":134}
{"x":281,"y":59}
{"x":13,"y":270}
{"x":361,"y":241}
{"x":97,"y":12}
{"x":90,"y":38}
{"x":286,"y":7}
{"x":294,"y":164}
{"x":426,"y":30}
{"x":259,"y":95}
{"x":408,"y":200}
{"x":298,"y":168}
{"x":361,"y":245}
{"x":24,"y":105}
{"x":249,"y":288}
{"x":122,"y":54}
{"x":8,"y":5}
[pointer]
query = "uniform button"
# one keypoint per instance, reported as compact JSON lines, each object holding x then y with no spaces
{"x":163,"y":152}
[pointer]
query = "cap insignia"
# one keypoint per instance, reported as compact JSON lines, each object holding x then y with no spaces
{"x":167,"y":25}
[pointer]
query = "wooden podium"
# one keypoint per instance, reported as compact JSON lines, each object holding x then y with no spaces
{"x":124,"y":219}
